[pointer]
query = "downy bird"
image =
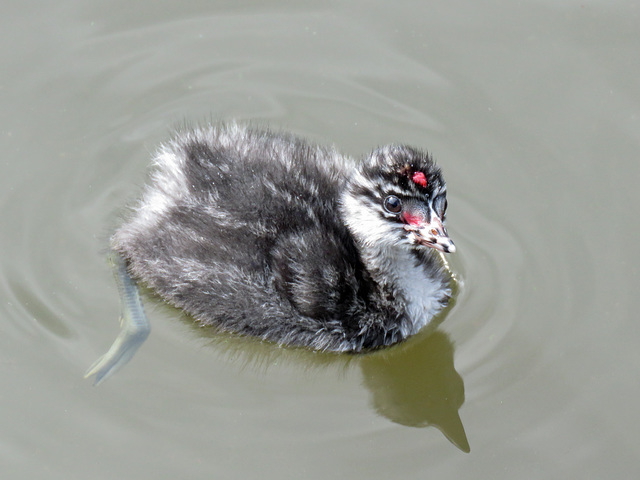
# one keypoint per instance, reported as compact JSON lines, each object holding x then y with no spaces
{"x":262,"y":233}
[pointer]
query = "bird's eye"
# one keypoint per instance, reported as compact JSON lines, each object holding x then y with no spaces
{"x":440,"y":205}
{"x":392,"y":204}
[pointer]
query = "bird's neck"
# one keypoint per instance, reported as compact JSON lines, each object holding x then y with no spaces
{"x":419,"y":279}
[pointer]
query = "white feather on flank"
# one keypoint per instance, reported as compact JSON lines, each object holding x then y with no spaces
{"x":168,"y":182}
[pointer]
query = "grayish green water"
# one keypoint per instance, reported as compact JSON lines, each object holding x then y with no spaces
{"x":533,"y":111}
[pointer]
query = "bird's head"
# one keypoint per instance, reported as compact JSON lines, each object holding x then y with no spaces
{"x":398,"y":197}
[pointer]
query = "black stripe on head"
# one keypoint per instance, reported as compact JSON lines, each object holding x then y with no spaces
{"x":409,"y":169}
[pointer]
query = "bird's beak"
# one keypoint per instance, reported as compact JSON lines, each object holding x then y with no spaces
{"x":432,"y":234}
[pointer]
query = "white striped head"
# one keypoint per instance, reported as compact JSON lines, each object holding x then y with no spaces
{"x":396,"y":197}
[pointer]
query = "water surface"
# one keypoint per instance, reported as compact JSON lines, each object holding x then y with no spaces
{"x":532,"y":110}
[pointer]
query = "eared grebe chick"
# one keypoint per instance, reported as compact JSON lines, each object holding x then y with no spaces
{"x":265,"y":234}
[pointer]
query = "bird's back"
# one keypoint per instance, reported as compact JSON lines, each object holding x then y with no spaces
{"x":241,"y":228}
{"x":264,"y":234}
{"x":236,"y":185}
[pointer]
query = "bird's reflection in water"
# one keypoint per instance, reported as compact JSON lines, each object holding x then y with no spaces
{"x":413,"y":383}
{"x":416,"y":384}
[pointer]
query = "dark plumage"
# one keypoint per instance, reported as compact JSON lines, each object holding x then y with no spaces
{"x":264,"y":234}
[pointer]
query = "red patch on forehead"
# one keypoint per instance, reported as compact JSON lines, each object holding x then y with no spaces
{"x":419,"y":178}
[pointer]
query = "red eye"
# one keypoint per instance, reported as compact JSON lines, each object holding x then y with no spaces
{"x":392,"y":204}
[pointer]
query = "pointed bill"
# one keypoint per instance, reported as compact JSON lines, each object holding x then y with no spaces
{"x":432,"y":234}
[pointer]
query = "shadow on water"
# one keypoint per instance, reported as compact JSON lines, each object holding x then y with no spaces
{"x":416,"y":384}
{"x":413,"y":383}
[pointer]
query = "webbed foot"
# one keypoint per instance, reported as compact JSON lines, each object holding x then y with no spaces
{"x":134,"y":325}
